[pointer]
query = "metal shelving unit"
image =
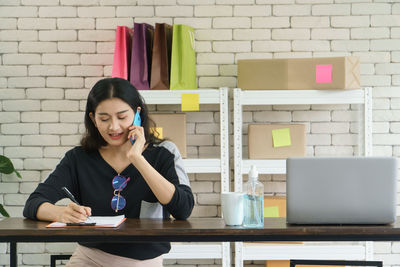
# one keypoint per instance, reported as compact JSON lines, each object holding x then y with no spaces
{"x":271,"y":251}
{"x":214,"y":165}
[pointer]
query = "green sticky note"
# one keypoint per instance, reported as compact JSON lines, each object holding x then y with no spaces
{"x":190,"y":102}
{"x":281,"y":137}
{"x":272,"y":211}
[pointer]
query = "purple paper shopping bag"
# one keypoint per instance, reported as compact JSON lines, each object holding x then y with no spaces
{"x":122,"y":52}
{"x":141,"y":55}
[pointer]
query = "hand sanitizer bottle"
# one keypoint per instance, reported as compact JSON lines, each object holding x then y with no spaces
{"x":253,"y":201}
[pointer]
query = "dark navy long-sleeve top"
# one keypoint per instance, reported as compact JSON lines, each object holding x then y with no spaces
{"x":89,"y":178}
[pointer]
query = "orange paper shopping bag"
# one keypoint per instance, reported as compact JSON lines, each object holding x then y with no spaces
{"x":122,"y":52}
{"x":161,"y":58}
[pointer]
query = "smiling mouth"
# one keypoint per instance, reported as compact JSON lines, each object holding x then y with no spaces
{"x":115,"y":136}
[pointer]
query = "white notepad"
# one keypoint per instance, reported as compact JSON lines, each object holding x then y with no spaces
{"x":101,"y":221}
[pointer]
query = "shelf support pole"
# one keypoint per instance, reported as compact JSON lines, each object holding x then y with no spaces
{"x":237,"y":135}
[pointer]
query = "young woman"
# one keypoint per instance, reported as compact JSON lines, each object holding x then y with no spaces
{"x":110,"y":176}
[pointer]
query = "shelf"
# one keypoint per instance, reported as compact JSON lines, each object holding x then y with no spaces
{"x":206,"y":96}
{"x":302,"y":251}
{"x":274,"y":251}
{"x":202,"y":165}
{"x":291,"y":97}
{"x":194,"y":251}
{"x":265,"y":166}
{"x":212,"y":165}
{"x":303,"y":97}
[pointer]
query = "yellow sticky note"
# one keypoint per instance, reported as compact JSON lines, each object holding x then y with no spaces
{"x":281,"y":137}
{"x":272,"y":211}
{"x":157,"y":132}
{"x":190,"y":102}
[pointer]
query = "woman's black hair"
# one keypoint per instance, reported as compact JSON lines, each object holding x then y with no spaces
{"x":106,"y":89}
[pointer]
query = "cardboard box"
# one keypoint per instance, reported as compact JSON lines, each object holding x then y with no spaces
{"x":277,"y":263}
{"x":171,"y":126}
{"x":276,"y":141}
{"x":286,"y":263}
{"x":274,"y":206}
{"x":299,"y":73}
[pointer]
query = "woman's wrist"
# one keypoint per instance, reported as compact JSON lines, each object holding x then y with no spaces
{"x":50,"y":212}
{"x":136,"y":159}
{"x":60,"y":212}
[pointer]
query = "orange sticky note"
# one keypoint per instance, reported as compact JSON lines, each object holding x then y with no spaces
{"x":190,"y":102}
{"x":323,"y":73}
{"x":157,"y":132}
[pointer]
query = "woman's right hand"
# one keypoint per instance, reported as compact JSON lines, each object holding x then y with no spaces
{"x":74,"y":213}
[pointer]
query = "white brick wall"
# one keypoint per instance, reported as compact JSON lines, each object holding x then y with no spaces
{"x":53,"y":51}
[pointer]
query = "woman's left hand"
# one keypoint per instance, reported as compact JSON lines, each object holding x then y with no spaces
{"x":138,"y":147}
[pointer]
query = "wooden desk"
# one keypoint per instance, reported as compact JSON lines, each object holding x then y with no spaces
{"x":16,"y":230}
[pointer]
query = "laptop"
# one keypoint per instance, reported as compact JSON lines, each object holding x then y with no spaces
{"x":341,"y":190}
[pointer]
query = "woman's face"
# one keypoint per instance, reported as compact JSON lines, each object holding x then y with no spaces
{"x":112,"y":118}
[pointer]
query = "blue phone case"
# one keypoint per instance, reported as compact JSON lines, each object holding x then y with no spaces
{"x":136,"y":121}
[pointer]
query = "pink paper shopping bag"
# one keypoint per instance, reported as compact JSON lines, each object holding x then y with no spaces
{"x":142,"y":45}
{"x":122,"y":52}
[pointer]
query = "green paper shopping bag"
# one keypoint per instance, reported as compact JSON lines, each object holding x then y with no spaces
{"x":183,"y":58}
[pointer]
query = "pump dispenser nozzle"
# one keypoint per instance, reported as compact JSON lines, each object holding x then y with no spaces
{"x":253,"y":173}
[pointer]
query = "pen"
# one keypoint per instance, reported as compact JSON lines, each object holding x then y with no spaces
{"x":71,"y":196}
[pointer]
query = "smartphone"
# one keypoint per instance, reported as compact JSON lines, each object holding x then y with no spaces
{"x":136,"y":121}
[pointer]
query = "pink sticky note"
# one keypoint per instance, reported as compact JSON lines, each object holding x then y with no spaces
{"x":323,"y":73}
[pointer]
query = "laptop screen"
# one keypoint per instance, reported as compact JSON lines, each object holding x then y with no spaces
{"x":341,"y":190}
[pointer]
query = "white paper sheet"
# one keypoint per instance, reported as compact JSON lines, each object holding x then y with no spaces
{"x":101,"y":221}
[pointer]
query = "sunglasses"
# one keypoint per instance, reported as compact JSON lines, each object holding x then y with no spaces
{"x":118,"y":202}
